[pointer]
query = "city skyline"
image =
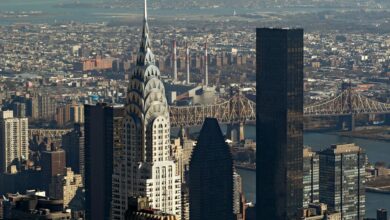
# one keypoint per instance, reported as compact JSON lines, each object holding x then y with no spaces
{"x":177,"y":117}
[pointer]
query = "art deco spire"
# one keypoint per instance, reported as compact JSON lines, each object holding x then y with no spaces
{"x":145,"y":46}
{"x":146,"y":11}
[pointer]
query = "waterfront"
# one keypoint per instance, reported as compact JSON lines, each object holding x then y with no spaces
{"x":376,"y":151}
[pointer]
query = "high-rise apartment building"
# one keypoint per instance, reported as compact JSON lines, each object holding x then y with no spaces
{"x":342,"y":177}
{"x":69,"y":113}
{"x":279,"y":76}
{"x":150,"y":170}
{"x":311,"y":177}
{"x":237,"y":196}
{"x":64,"y":187}
{"x":182,"y":148}
{"x":13,"y":140}
{"x":41,"y":106}
{"x":53,"y":164}
{"x":77,"y":113}
{"x":101,"y":124}
{"x":211,"y":175}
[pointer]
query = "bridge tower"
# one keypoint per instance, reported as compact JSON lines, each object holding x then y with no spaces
{"x":235,"y":132}
{"x":235,"y":129}
{"x":347,"y":122}
{"x":387,"y":119}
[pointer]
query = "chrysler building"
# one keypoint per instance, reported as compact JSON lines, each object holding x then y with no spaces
{"x":147,"y":169}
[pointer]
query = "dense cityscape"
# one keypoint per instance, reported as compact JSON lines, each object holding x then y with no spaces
{"x":136,"y":112}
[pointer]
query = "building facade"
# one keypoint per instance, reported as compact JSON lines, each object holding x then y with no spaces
{"x":211,"y":175}
{"x":13,"y":140}
{"x":53,"y":162}
{"x":32,"y":206}
{"x":139,"y":209}
{"x":150,"y":169}
{"x":279,"y":133}
{"x":381,"y":214}
{"x":182,"y":148}
{"x":73,"y":144}
{"x":342,"y":178}
{"x":64,"y":187}
{"x":101,"y":124}
{"x":311,"y":177}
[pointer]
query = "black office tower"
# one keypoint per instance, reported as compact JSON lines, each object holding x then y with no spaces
{"x":102,"y":123}
{"x":279,"y":113}
{"x":73,"y":144}
{"x":381,"y":214}
{"x":211,"y":175}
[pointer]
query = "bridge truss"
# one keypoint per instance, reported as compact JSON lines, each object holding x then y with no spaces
{"x":241,"y":109}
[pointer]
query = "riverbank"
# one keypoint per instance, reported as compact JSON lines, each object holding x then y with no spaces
{"x":371,"y":133}
{"x":377,"y":190}
{"x":246,"y":166}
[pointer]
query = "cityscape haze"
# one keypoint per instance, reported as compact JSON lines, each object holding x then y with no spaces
{"x":185,"y":110}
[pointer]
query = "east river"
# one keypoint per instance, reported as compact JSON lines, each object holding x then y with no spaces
{"x":376,"y":151}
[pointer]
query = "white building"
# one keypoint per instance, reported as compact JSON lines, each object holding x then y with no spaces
{"x":13,"y":140}
{"x":150,"y":169}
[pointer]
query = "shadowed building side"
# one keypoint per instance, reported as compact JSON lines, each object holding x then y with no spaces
{"x":211,"y":175}
{"x":101,"y":125}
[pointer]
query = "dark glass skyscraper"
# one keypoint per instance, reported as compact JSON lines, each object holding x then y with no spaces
{"x":211,"y":175}
{"x":73,"y":144}
{"x":279,"y":60}
{"x":101,"y":125}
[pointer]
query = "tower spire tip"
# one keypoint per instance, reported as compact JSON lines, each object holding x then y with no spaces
{"x":146,"y":10}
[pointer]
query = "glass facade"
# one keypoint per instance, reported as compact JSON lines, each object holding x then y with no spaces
{"x":342,"y":170}
{"x":279,"y":60}
{"x":211,"y":175}
{"x":311,"y":162}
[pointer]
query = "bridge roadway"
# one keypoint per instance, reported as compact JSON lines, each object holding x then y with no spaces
{"x":241,"y":109}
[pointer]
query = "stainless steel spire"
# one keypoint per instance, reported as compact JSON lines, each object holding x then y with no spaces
{"x":146,"y":11}
{"x":145,"y":41}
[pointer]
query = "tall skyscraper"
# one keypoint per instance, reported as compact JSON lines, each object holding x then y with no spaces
{"x":13,"y":140}
{"x":381,"y":214}
{"x":101,"y":123}
{"x":211,"y":175}
{"x":279,"y":58}
{"x":342,"y":177}
{"x":311,"y":178}
{"x":150,"y":168}
{"x":73,"y":144}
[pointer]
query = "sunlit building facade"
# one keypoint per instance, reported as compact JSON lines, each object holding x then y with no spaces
{"x":150,"y":170}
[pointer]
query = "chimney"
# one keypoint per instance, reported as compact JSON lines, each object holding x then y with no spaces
{"x":188,"y":60}
{"x":206,"y":70}
{"x":174,"y":62}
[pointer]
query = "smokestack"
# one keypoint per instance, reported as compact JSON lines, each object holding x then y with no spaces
{"x":174,"y":62}
{"x":188,"y":63}
{"x":206,"y":70}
